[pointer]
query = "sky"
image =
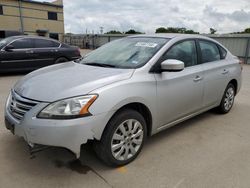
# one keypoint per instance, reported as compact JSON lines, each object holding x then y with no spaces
{"x":199,"y":15}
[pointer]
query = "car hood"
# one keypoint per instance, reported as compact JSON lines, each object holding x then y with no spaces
{"x":67,"y":80}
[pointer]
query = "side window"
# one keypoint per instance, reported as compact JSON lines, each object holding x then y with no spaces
{"x":209,"y":51}
{"x":184,"y":51}
{"x":42,"y":43}
{"x":22,"y":44}
{"x":223,"y":52}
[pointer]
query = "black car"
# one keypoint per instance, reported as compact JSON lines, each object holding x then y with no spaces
{"x":25,"y":53}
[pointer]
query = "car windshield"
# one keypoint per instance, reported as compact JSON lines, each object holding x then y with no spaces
{"x":3,"y":42}
{"x":125,"y":53}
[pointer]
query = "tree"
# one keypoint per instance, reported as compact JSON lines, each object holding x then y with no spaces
{"x":247,"y":30}
{"x":213,"y":31}
{"x":175,"y":30}
{"x":132,"y":31}
{"x":113,"y":32}
{"x":161,"y":30}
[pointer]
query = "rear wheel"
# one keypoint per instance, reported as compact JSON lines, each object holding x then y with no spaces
{"x":227,"y":99}
{"x":61,"y":60}
{"x":123,"y":138}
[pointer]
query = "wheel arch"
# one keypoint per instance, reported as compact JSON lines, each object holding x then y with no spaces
{"x":139,"y":107}
{"x":235,"y":84}
{"x":61,"y":57}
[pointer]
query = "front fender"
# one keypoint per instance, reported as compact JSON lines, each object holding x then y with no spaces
{"x":115,"y":96}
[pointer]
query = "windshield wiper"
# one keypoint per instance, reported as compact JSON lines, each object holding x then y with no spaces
{"x":100,"y":64}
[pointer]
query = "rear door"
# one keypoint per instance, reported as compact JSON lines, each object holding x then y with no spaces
{"x":180,"y":93}
{"x":19,"y":58}
{"x":216,"y":70}
{"x":46,"y":51}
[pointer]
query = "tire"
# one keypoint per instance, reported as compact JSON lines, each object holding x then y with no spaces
{"x":61,"y":60}
{"x":227,"y":100}
{"x":126,"y":144}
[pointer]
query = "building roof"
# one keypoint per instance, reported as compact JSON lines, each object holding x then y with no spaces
{"x":43,"y":3}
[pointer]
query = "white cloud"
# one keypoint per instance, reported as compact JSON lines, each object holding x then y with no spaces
{"x":147,"y":15}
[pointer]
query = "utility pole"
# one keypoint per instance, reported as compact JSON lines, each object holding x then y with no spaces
{"x":21,"y":15}
{"x":101,"y":30}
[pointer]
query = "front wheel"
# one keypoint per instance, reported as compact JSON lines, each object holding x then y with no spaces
{"x":123,"y":138}
{"x":227,"y":99}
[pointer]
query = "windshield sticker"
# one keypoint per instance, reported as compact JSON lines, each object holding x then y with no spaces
{"x":146,"y":44}
{"x":135,"y":62}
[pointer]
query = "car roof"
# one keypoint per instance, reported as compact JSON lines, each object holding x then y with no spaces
{"x":171,"y":35}
{"x":31,"y":36}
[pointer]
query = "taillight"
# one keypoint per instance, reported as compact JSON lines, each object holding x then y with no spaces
{"x":78,"y":52}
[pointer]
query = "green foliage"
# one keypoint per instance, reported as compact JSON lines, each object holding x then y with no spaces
{"x":175,"y":30}
{"x":132,"y":31}
{"x":114,"y":32}
{"x":247,"y":30}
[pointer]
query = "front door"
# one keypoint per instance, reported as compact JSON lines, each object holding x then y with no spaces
{"x":21,"y":57}
{"x":180,"y":93}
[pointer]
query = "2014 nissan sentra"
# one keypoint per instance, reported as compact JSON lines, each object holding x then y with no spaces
{"x":123,"y":92}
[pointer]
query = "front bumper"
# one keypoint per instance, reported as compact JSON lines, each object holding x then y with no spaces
{"x":70,"y":134}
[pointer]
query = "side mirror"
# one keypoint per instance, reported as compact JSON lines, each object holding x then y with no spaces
{"x":172,"y":65}
{"x":9,"y":48}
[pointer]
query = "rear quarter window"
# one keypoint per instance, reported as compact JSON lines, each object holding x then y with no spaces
{"x":223,"y":52}
{"x":65,"y":46}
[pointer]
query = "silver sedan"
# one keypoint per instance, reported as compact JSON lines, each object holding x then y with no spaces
{"x":122,"y":93}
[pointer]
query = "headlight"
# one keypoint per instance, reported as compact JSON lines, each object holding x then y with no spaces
{"x":68,"y":108}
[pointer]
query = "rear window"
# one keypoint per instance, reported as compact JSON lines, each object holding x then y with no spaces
{"x":42,"y":43}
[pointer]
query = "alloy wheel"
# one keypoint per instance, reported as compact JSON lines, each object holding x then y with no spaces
{"x":127,"y":139}
{"x":229,"y":98}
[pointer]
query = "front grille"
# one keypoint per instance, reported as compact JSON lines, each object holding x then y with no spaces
{"x":18,"y":105}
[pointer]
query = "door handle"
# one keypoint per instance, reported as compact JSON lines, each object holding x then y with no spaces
{"x":225,"y":71}
{"x":54,"y":50}
{"x":197,"y":78}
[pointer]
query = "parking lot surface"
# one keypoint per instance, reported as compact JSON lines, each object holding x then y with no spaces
{"x":209,"y":150}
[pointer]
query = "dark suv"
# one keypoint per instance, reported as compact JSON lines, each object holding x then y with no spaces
{"x":25,"y":53}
